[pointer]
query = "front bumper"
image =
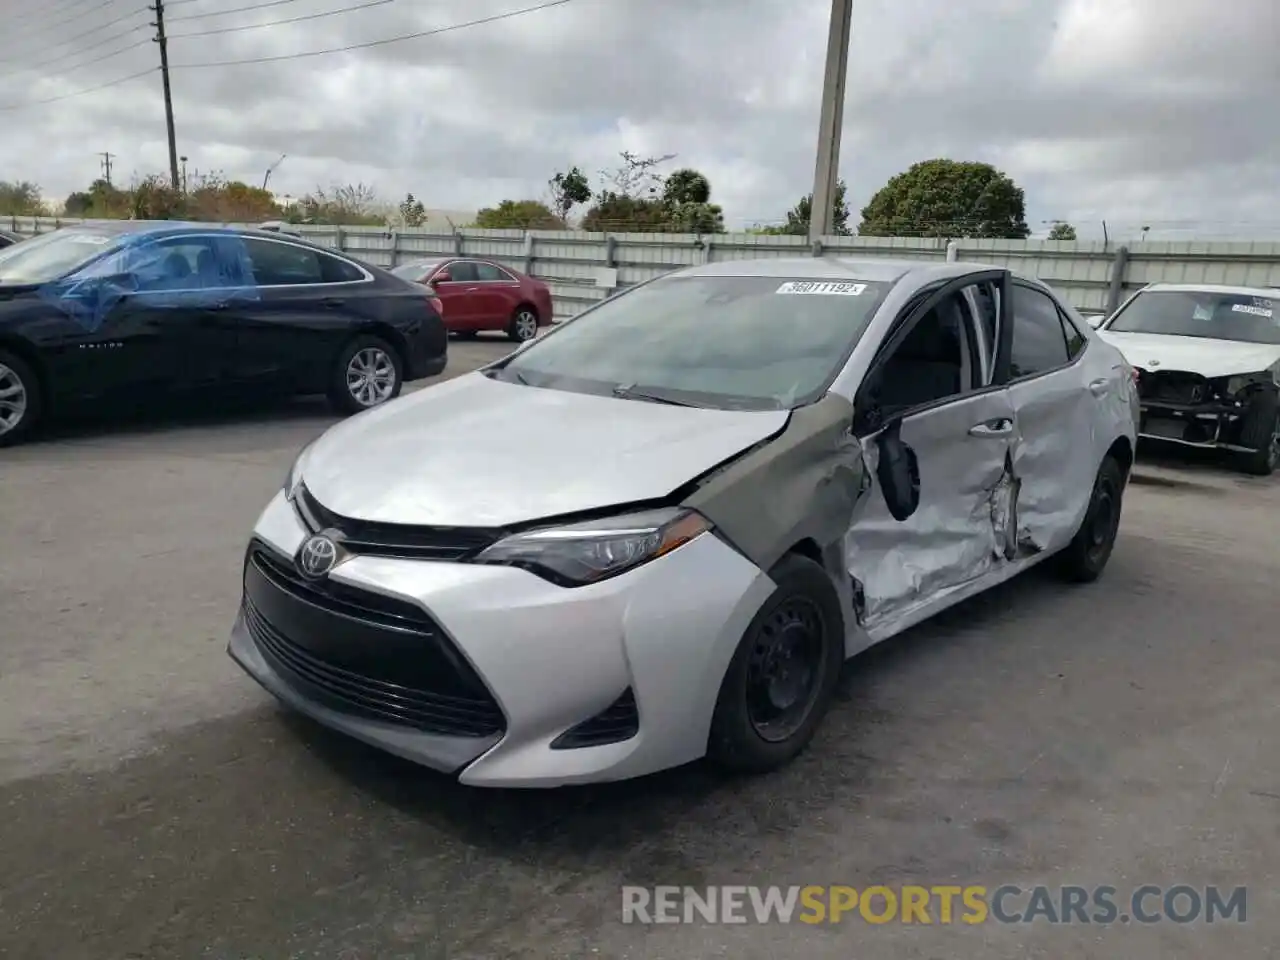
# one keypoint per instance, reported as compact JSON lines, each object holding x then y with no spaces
{"x":1209,"y":426}
{"x":550,"y":657}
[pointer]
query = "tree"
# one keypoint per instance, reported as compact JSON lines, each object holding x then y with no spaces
{"x":153,"y":198}
{"x":949,"y":199}
{"x":519,"y":215}
{"x":619,"y":213}
{"x":1062,"y":231}
{"x":797,"y":224}
{"x":412,"y":212}
{"x":568,"y":189}
{"x":20,"y":198}
{"x":353,"y":204}
{"x":686,"y":187}
{"x":212,"y":197}
{"x":635,"y":176}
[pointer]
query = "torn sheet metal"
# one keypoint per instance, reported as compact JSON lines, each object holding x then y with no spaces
{"x":168,"y":271}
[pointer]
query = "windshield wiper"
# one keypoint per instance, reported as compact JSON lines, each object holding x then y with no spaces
{"x":632,"y":391}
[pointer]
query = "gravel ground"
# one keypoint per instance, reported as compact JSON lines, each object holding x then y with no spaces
{"x":156,"y":804}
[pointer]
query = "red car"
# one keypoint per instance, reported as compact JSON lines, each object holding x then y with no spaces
{"x":482,"y":295}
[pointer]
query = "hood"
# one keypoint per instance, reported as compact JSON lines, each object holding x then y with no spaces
{"x":475,"y":452}
{"x":1209,"y":358}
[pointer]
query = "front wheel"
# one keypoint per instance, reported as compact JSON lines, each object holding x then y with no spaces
{"x":1261,"y":431}
{"x":524,"y":324}
{"x":367,"y":374}
{"x":1086,"y":556}
{"x":19,"y":399}
{"x":782,"y":677}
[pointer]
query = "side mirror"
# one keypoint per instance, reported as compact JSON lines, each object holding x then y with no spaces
{"x":898,"y":472}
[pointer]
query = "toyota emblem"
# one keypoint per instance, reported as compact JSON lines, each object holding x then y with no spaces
{"x":319,"y":555}
{"x":1153,"y":363}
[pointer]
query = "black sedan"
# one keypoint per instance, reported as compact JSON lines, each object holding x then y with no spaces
{"x":89,"y":314}
{"x":8,"y":238}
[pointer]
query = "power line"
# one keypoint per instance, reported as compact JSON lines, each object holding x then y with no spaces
{"x":227,"y":13}
{"x":75,"y":53}
{"x":279,"y":23}
{"x":78,"y":93}
{"x":378,"y":43}
{"x":66,"y":41}
{"x":102,"y":4}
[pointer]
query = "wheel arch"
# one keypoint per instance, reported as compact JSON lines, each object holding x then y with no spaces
{"x":28,"y":354}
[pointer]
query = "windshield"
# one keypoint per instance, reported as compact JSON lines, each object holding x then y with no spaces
{"x":51,"y":256}
{"x":754,"y":343}
{"x":1195,"y":313}
{"x":416,"y":269}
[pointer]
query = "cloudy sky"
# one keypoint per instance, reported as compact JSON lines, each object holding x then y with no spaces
{"x":1160,"y":113}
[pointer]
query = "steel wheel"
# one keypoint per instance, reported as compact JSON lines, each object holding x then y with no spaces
{"x":525,"y":324}
{"x":785,"y":669}
{"x":1273,"y":453}
{"x":1103,"y":518}
{"x":13,"y":399}
{"x":371,"y":376}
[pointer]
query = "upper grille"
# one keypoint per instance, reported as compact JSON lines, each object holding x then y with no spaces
{"x":394,"y":539}
{"x":1174,"y":386}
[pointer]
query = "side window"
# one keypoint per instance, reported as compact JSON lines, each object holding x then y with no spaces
{"x":462,"y":271}
{"x":487,"y":271}
{"x":334,"y":270}
{"x":282,"y":264}
{"x":1075,"y":339}
{"x":176,"y":264}
{"x":932,"y":363}
{"x":1038,"y":341}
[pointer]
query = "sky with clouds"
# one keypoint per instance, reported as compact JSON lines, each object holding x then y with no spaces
{"x":1159,"y":113}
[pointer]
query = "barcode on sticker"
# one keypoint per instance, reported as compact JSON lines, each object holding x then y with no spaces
{"x":1256,"y":311}
{"x":828,"y":288}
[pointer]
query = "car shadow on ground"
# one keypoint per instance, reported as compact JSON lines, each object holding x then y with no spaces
{"x":580,"y":819}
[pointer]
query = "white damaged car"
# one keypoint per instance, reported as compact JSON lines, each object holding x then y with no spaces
{"x":1208,"y":359}
{"x":657,"y":532}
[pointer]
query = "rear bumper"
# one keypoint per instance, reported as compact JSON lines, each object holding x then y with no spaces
{"x":427,"y":355}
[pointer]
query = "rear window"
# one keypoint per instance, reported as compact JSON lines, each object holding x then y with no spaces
{"x":764,"y":343}
{"x":1205,"y":314}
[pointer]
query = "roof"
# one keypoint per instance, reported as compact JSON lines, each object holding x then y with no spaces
{"x":869,"y":269}
{"x":1269,"y":293}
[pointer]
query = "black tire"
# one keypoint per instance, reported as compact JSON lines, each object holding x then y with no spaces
{"x":523,"y":324}
{"x":1086,"y":556}
{"x":343,"y":396}
{"x":738,"y":741}
{"x":16,"y":375}
{"x":1261,"y":430}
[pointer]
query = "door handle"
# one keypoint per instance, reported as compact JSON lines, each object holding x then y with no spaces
{"x":473,"y":289}
{"x":1098,"y":387}
{"x":332,"y":301}
{"x":999,"y":427}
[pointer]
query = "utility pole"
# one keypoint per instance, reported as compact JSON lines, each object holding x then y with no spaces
{"x":107,"y":157}
{"x":163,"y":41}
{"x":831,"y":120}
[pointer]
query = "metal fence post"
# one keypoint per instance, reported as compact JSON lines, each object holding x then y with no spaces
{"x":395,"y":249}
{"x":1119,"y":269}
{"x":338,"y":237}
{"x":458,"y":240}
{"x":528,"y":253}
{"x":953,"y":251}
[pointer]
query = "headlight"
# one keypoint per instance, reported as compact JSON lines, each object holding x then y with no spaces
{"x":585,"y":553}
{"x":1243,"y":381}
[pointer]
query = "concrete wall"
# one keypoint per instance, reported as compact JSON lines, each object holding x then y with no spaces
{"x":580,"y":267}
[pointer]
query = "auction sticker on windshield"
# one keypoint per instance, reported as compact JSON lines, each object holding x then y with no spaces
{"x":1257,"y":310}
{"x":830,"y":288}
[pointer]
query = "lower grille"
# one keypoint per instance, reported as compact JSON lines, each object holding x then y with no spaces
{"x":361,"y":696}
{"x":615,"y":723}
{"x":364,"y":654}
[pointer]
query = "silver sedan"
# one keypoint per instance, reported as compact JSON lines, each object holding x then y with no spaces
{"x":657,"y":532}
